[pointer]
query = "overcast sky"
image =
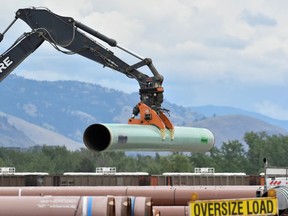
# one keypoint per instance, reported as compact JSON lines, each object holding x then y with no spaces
{"x":224,"y":52}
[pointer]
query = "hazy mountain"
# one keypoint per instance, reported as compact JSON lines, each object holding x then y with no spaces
{"x":210,"y":111}
{"x":17,"y":133}
{"x":65,"y":108}
{"x":10,"y":136}
{"x":233,"y":127}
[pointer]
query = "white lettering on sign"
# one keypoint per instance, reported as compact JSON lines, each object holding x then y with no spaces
{"x":5,"y":64}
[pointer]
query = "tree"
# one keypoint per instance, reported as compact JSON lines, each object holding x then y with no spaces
{"x":261,"y":145}
{"x":176,"y":162}
{"x":230,"y":157}
{"x":206,"y":159}
{"x":258,"y":149}
{"x":233,"y":157}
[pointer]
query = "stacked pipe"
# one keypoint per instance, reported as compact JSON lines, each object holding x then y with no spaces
{"x":126,"y":200}
{"x":75,"y":206}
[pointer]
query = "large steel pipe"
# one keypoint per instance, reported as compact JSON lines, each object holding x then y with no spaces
{"x":172,"y":210}
{"x":161,"y":195}
{"x":48,"y":205}
{"x":75,"y":205}
{"x":127,"y":137}
{"x":180,"y":196}
{"x":183,"y":194}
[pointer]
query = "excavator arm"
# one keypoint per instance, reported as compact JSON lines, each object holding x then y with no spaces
{"x":71,"y":37}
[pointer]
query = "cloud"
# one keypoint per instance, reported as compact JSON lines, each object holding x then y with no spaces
{"x":257,"y":19}
{"x":223,"y":52}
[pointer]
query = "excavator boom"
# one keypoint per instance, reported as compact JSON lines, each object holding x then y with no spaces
{"x":23,"y":47}
{"x":72,"y":37}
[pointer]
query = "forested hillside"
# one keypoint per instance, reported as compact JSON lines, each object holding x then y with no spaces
{"x":230,"y":157}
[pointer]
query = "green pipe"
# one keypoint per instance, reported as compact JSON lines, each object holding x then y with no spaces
{"x":130,"y":137}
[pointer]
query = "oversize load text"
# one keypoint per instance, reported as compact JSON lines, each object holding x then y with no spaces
{"x":266,"y":206}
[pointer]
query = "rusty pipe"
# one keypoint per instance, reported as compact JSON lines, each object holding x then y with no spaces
{"x":172,"y":210}
{"x":75,"y":205}
{"x":161,"y":195}
{"x":59,"y":205}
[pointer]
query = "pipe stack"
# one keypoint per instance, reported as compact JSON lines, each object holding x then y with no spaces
{"x":112,"y":200}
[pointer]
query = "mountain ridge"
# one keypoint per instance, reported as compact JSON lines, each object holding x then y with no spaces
{"x":211,"y":110}
{"x":67,"y":108}
{"x":30,"y":135}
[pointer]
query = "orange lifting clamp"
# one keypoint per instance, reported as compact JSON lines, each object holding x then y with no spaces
{"x":148,"y":116}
